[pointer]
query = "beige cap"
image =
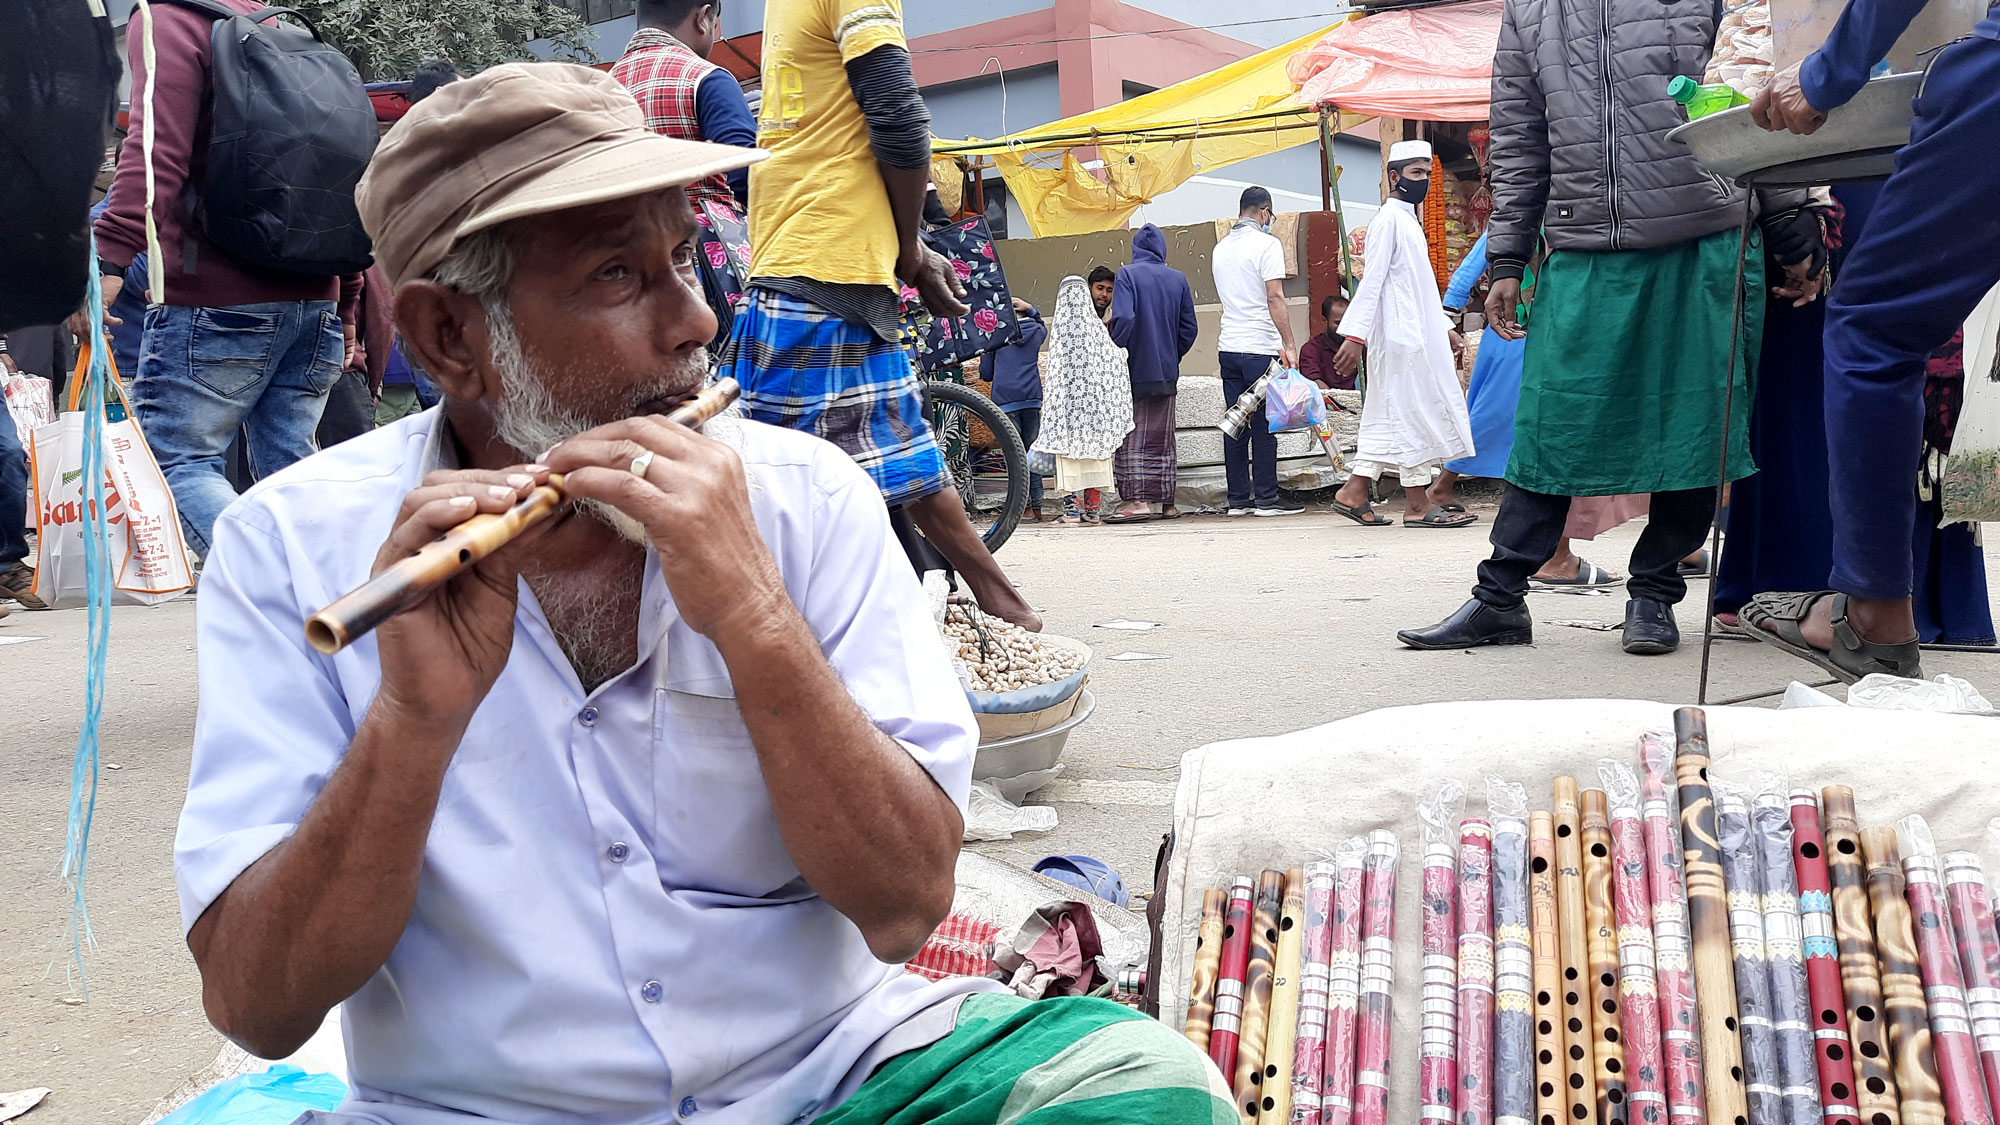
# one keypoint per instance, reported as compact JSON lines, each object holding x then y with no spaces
{"x":517,"y":140}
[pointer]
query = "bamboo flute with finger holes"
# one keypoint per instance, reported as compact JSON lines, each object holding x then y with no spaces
{"x":1680,"y":1029}
{"x":1551,"y":1092}
{"x":1708,"y":922}
{"x":1833,"y":1052}
{"x":1573,"y":937}
{"x":407,"y":582}
{"x":1876,"y":1097}
{"x":1601,"y":940}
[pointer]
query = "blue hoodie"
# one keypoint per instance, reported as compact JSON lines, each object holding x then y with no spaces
{"x":1152,"y":315}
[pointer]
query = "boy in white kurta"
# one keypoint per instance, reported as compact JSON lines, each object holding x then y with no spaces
{"x":1413,"y":419}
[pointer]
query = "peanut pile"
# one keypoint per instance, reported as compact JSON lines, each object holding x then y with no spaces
{"x":999,"y":656}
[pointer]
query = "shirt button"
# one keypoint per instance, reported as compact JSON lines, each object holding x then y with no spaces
{"x":618,"y":852}
{"x":651,"y":992}
{"x":587,"y":716}
{"x":688,"y":1107}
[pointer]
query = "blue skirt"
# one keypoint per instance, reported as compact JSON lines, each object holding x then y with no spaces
{"x":806,"y":368}
{"x":1490,"y":399}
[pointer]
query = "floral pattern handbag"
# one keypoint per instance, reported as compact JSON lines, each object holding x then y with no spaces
{"x":991,"y":323}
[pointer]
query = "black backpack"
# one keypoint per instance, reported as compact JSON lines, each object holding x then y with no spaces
{"x":291,"y":130}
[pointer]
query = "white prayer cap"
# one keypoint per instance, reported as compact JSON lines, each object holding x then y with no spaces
{"x":1409,"y":150}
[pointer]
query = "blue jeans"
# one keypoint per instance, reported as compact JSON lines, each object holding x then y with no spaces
{"x":1930,"y":251}
{"x":1250,"y":462}
{"x":205,"y":372}
{"x":13,"y":494}
{"x":1028,"y":420}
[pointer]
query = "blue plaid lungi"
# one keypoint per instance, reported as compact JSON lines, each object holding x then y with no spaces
{"x":809,"y":369}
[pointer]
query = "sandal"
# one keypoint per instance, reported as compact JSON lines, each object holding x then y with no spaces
{"x":1365,"y":515}
{"x":1587,"y":574}
{"x":1132,"y":517}
{"x":1438,"y":517}
{"x":1452,"y":507}
{"x":1851,"y":658}
{"x":1170,"y":513}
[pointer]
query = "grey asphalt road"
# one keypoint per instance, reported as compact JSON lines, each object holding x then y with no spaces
{"x":1266,"y":626}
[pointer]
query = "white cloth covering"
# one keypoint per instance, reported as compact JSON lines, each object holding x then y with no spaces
{"x":1086,"y":387}
{"x":608,"y":926}
{"x":1414,"y":412}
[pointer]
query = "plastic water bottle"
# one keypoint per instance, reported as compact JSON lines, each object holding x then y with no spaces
{"x":1699,"y":101}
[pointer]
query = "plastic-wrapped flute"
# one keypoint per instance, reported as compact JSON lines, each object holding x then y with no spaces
{"x":1708,"y":921}
{"x":1309,"y":1034}
{"x":1752,"y":966}
{"x":1276,"y":1105}
{"x":1551,"y":1096}
{"x":1833,"y":1053}
{"x":1437,"y":1062}
{"x":1573,"y":940}
{"x":1350,"y":898}
{"x":1680,"y":1035}
{"x":1513,"y":959}
{"x":1979,"y":954}
{"x":1875,"y":1094}
{"x":1791,"y":1007}
{"x":1917,"y":1086}
{"x":1474,"y":1103}
{"x":1224,"y":1035}
{"x":1374,"y":1024}
{"x":1638,"y":988}
{"x":1599,"y":910}
{"x":1249,"y":1083}
{"x":1959,"y":1074}
{"x":1207,"y":957}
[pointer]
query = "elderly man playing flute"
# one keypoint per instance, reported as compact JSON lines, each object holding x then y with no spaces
{"x":635,"y":819}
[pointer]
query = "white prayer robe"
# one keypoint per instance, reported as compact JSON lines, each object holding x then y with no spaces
{"x":1414,"y":413}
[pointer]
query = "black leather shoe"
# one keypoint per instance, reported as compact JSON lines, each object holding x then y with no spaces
{"x":1475,"y":624}
{"x":1650,"y":628}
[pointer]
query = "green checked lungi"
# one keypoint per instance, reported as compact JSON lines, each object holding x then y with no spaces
{"x":1063,"y":1061}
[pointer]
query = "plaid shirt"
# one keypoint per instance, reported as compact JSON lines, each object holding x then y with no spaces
{"x":663,"y":74}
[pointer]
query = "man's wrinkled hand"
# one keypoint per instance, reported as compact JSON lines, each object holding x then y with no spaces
{"x":930,"y":274}
{"x":1503,"y":303}
{"x":79,"y":321}
{"x":1783,"y":106}
{"x":694,"y":503}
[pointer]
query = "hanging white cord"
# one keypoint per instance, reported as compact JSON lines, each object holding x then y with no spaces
{"x":156,"y":266}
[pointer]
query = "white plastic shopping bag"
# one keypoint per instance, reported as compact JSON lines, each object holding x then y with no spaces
{"x":141,"y":527}
{"x":1971,"y":486}
{"x":31,"y":401}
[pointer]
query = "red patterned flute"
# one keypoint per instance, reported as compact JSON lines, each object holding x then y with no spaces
{"x":1958,"y":1062}
{"x":1228,"y":1022}
{"x":1309,"y":1043}
{"x":1979,"y":957}
{"x":1378,"y":980}
{"x":1832,"y":1051}
{"x":1437,"y":1061}
{"x":1680,"y":1032}
{"x":1473,"y":1104}
{"x":1638,"y":986}
{"x":1344,"y":978}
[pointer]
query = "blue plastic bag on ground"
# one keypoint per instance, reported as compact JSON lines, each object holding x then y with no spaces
{"x":275,"y":1097}
{"x":1293,"y":402}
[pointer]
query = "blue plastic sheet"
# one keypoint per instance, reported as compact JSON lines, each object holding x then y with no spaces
{"x":275,"y":1097}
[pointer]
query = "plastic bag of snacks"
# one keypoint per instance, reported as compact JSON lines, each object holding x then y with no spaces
{"x":1743,"y":51}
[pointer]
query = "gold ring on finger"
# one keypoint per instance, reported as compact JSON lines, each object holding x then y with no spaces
{"x":641,"y":463}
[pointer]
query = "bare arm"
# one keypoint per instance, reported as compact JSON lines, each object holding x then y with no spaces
{"x":1281,"y":315}
{"x":307,"y":924}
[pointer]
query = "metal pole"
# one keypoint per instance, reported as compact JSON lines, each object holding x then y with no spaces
{"x":1325,"y":167}
{"x":1327,"y":116}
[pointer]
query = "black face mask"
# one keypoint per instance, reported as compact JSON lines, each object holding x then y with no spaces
{"x":1412,"y":192}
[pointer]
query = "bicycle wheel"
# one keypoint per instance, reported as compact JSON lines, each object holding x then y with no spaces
{"x":991,"y":482}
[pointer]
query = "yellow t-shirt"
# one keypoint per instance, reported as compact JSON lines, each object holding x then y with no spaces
{"x":817,"y":206}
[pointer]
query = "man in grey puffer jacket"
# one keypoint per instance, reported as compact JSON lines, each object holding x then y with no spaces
{"x":1631,"y":382}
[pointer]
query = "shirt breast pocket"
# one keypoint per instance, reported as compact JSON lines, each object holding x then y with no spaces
{"x":714,"y":826}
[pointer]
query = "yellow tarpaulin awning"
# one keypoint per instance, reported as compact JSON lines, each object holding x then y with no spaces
{"x":1153,"y":143}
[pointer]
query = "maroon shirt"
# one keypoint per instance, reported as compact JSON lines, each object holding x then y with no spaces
{"x":1316,"y":363}
{"x":198,"y":272}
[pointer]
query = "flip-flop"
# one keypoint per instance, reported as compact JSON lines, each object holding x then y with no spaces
{"x":1587,"y":574}
{"x":1135,"y":517}
{"x":1452,"y":507}
{"x":1851,"y":658}
{"x":1438,"y":517}
{"x":1365,"y":515}
{"x":1171,"y":513}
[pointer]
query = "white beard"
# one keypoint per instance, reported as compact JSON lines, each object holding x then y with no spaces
{"x":529,"y":421}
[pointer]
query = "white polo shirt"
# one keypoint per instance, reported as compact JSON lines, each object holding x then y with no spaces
{"x":1243,"y":261}
{"x":608,"y":927}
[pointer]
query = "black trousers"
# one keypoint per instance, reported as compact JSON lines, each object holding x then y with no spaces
{"x":1530,"y":526}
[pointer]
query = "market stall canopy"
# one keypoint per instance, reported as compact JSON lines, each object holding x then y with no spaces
{"x":1153,"y":143}
{"x":1433,"y":63}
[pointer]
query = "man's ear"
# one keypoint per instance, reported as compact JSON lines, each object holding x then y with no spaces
{"x":445,"y":331}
